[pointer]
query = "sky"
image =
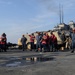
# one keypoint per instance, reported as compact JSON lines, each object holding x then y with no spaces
{"x":19,"y":17}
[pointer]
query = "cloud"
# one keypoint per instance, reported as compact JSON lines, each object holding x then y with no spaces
{"x":16,"y":29}
{"x":42,"y":17}
{"x":48,"y":5}
{"x":53,"y":5}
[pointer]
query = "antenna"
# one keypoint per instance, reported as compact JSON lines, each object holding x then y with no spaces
{"x":61,"y":14}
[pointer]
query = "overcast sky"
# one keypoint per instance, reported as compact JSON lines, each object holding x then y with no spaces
{"x":19,"y":17}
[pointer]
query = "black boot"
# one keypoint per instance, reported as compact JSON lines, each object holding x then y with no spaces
{"x":72,"y":51}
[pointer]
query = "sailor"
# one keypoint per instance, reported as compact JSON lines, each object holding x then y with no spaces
{"x":23,"y":40}
{"x":3,"y":41}
{"x":73,"y":40}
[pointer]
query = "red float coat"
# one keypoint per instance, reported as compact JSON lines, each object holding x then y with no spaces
{"x":44,"y":39}
{"x":32,"y":38}
{"x":3,"y":40}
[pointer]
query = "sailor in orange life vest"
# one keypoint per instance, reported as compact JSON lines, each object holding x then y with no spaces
{"x":3,"y":41}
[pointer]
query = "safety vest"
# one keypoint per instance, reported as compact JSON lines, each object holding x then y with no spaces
{"x":2,"y":40}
